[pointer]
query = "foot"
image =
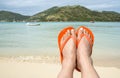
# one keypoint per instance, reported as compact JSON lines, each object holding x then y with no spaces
{"x":84,"y":50}
{"x":84,"y":61}
{"x":69,"y":51}
{"x":69,"y":56}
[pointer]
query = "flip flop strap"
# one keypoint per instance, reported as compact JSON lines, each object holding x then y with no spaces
{"x":65,"y":42}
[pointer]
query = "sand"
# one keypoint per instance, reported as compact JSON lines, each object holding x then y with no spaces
{"x":19,"y":68}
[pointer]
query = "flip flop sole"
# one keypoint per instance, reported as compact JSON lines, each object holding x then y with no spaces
{"x":62,"y":32}
{"x":91,"y":35}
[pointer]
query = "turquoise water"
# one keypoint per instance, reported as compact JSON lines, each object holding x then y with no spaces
{"x":20,"y":39}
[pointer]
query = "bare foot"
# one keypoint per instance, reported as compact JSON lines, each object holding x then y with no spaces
{"x":69,"y":56}
{"x":84,"y":49}
{"x":69,"y":51}
{"x":84,"y":61}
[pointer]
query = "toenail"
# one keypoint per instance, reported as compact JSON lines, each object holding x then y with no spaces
{"x":68,"y":31}
{"x":81,"y":28}
{"x":72,"y":30}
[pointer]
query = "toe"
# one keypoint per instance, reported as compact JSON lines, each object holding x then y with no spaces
{"x":68,"y":32}
{"x":65,"y":36}
{"x":87,"y":34}
{"x":80,"y":32}
{"x":84,"y":31}
{"x":73,"y":32}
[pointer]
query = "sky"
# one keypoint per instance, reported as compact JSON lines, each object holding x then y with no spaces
{"x":31,"y":7}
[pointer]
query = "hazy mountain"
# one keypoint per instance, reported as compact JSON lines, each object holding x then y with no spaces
{"x":74,"y":13}
{"x":10,"y":16}
{"x":65,"y":13}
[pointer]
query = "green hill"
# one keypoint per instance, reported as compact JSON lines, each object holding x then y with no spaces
{"x":10,"y":16}
{"x":74,"y":13}
{"x":65,"y":13}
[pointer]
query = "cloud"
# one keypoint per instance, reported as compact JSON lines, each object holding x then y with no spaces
{"x":102,"y":6}
{"x":106,"y":6}
{"x":21,"y":3}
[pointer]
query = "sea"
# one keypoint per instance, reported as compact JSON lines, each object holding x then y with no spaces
{"x":19,"y":39}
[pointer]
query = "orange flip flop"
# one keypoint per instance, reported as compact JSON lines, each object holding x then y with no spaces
{"x":62,"y":32}
{"x":91,"y":35}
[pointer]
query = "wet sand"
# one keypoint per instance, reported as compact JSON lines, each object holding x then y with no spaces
{"x":43,"y":67}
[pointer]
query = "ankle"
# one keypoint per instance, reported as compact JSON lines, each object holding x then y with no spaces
{"x":84,"y":61}
{"x":68,"y":64}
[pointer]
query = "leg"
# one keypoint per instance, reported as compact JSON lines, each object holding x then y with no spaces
{"x":69,"y":55}
{"x":84,"y":61}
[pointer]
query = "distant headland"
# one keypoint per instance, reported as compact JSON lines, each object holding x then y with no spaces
{"x":65,"y":13}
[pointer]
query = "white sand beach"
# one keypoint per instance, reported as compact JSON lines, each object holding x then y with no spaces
{"x":21,"y":47}
{"x":19,"y":68}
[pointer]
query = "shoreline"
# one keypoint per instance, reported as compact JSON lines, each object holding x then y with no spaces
{"x":56,"y":60}
{"x":12,"y":68}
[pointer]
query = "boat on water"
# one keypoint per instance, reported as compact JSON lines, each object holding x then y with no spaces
{"x":92,"y":21}
{"x":33,"y":24}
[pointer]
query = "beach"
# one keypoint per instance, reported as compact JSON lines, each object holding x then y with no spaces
{"x":34,"y":34}
{"x":32,"y":52}
{"x":43,"y":67}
